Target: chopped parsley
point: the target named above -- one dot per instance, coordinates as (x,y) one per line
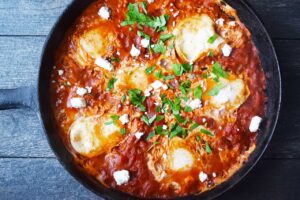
(198,138)
(147,120)
(160,131)
(207,148)
(207,132)
(180,68)
(133,16)
(169,77)
(212,39)
(211,54)
(185,87)
(123,131)
(159,118)
(115,59)
(142,34)
(149,70)
(194,126)
(137,98)
(123,98)
(177,130)
(188,109)
(110,84)
(198,92)
(219,71)
(114,119)
(165,37)
(215,90)
(151,135)
(158,74)
(178,118)
(159,47)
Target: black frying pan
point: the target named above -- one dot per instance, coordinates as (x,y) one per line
(39,99)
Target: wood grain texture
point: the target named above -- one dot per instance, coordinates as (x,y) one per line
(28,179)
(36,17)
(40,178)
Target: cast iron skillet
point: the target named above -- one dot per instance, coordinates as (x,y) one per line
(39,99)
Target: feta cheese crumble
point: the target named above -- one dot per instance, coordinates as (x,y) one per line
(220,21)
(202,177)
(60,72)
(134,52)
(164,127)
(81,91)
(226,50)
(121,177)
(104,64)
(138,135)
(254,124)
(77,102)
(194,104)
(104,12)
(124,119)
(145,42)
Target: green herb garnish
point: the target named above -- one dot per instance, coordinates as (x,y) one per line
(165,37)
(198,138)
(207,148)
(158,74)
(147,120)
(215,90)
(198,92)
(159,118)
(137,98)
(159,47)
(110,84)
(207,132)
(149,70)
(194,126)
(151,135)
(177,130)
(123,131)
(212,39)
(180,68)
(219,71)
(188,109)
(142,34)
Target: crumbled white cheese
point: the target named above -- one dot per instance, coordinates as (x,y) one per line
(89,89)
(214,174)
(60,72)
(202,176)
(226,50)
(104,12)
(220,21)
(164,127)
(254,124)
(103,63)
(134,52)
(81,91)
(231,23)
(164,156)
(124,119)
(148,92)
(121,177)
(194,104)
(157,84)
(145,42)
(150,1)
(203,120)
(77,102)
(138,135)
(164,87)
(176,14)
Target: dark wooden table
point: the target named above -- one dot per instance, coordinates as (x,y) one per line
(29,169)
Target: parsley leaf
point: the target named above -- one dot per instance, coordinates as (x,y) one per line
(137,98)
(177,130)
(158,74)
(123,131)
(165,37)
(169,77)
(194,126)
(188,109)
(180,68)
(215,90)
(159,118)
(148,121)
(207,132)
(198,138)
(142,34)
(212,39)
(151,135)
(115,59)
(110,84)
(207,148)
(149,70)
(218,70)
(159,47)
(198,92)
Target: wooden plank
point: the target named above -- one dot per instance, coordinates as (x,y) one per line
(46,179)
(19,60)
(27,17)
(19,67)
(22,135)
(38,179)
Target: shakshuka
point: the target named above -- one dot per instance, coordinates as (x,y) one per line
(158,98)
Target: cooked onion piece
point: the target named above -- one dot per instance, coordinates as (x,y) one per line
(195,36)
(91,136)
